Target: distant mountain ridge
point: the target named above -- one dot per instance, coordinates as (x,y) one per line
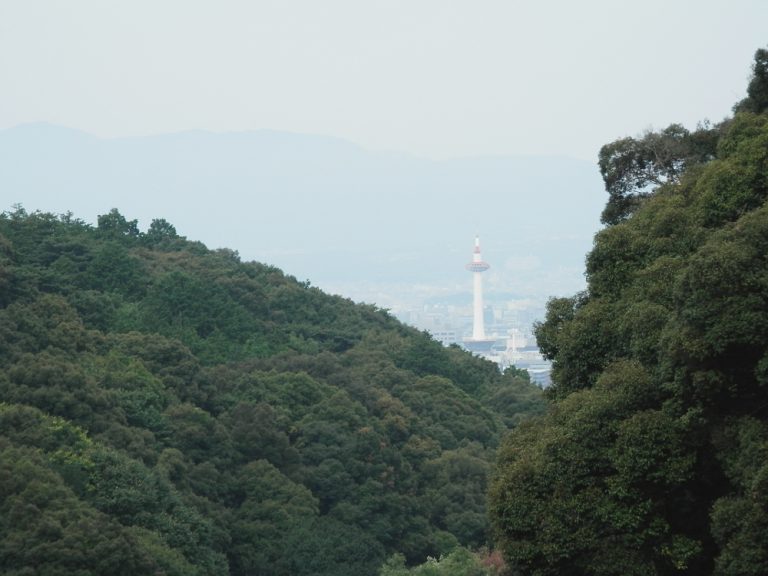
(320,207)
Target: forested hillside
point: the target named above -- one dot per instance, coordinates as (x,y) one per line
(653,458)
(169,409)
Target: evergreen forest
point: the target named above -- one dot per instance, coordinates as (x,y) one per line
(166,409)
(652,458)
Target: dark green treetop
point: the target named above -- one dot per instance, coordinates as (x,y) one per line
(651,458)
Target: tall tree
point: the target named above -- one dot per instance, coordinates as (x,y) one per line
(651,459)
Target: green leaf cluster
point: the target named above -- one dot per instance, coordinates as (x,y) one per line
(459,562)
(652,457)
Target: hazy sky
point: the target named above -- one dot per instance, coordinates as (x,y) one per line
(432,77)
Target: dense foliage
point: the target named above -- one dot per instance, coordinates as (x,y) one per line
(459,562)
(169,409)
(653,458)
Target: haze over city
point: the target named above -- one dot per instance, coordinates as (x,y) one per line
(358,145)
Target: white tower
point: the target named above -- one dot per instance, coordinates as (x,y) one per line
(477,267)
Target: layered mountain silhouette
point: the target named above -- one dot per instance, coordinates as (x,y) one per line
(322,208)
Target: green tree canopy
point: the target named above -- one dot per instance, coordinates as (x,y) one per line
(651,458)
(173,410)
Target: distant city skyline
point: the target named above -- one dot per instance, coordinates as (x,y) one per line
(284,130)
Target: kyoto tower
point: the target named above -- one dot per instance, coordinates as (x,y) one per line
(477,267)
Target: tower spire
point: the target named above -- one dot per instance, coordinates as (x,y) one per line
(477,267)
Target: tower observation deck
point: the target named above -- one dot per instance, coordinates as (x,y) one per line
(478,342)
